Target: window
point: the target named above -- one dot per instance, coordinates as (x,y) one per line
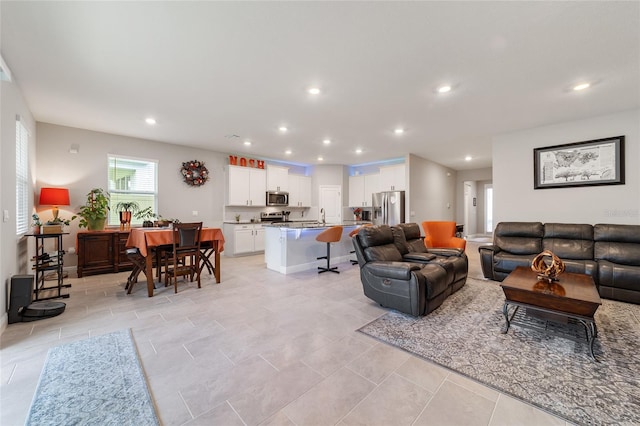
(132,179)
(22,178)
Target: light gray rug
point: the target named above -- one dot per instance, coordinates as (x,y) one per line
(96,381)
(552,373)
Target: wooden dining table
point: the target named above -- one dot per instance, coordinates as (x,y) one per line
(145,239)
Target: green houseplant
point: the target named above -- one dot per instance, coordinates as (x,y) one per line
(146,215)
(95,211)
(126,208)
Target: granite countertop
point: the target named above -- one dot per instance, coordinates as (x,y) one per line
(311,224)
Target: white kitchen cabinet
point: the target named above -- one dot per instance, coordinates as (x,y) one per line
(246,186)
(277,178)
(356,191)
(393,178)
(361,189)
(299,191)
(243,239)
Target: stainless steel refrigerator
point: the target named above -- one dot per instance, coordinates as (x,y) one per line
(388,208)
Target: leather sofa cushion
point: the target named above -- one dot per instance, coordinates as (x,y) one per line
(612,275)
(622,253)
(588,267)
(618,233)
(571,231)
(521,238)
(569,249)
(519,245)
(378,244)
(407,238)
(617,243)
(507,262)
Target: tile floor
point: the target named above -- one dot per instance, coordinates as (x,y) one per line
(259,348)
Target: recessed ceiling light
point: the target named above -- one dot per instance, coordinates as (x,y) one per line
(468,158)
(320,159)
(288,152)
(150,121)
(283,128)
(314,91)
(444,89)
(326,141)
(399,131)
(581,86)
(358,151)
(247,143)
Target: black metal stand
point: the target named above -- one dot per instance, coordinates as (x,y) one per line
(49,262)
(566,329)
(328,257)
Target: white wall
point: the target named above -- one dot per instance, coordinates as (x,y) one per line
(88,169)
(516,200)
(13,249)
(432,191)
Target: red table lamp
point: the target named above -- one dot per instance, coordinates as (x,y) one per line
(54,197)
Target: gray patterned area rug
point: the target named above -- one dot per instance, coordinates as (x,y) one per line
(96,381)
(550,372)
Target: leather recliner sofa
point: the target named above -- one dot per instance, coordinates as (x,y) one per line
(401,273)
(609,253)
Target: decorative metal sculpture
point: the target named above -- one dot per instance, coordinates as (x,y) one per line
(547,272)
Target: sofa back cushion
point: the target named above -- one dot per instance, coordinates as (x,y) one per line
(617,243)
(407,238)
(377,243)
(569,240)
(519,237)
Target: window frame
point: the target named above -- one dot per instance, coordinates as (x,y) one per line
(22,177)
(113,191)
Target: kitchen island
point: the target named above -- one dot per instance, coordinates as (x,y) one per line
(292,247)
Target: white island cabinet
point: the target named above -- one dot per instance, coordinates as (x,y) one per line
(243,238)
(291,249)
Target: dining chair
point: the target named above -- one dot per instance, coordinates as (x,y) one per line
(442,234)
(184,258)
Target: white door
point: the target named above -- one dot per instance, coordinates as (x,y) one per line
(330,197)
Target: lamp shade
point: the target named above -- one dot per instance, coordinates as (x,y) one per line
(54,197)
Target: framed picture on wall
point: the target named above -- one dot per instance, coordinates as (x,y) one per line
(596,162)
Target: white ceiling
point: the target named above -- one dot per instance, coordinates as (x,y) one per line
(206,70)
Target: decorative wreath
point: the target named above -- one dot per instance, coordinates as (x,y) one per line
(194,173)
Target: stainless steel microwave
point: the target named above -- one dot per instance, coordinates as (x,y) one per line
(277,198)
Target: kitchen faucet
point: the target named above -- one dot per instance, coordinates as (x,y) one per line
(322,213)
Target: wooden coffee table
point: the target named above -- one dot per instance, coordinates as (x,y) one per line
(573,299)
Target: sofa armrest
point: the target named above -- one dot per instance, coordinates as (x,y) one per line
(419,257)
(486,260)
(393,270)
(447,252)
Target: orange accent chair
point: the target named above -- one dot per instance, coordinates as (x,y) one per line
(329,235)
(441,234)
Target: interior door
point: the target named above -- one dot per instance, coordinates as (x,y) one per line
(330,200)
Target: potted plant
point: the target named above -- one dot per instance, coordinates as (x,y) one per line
(126,208)
(146,215)
(95,211)
(37,224)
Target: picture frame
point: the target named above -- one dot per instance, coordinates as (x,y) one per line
(589,163)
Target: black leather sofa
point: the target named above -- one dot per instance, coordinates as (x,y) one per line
(399,272)
(609,253)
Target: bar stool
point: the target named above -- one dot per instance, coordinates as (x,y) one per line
(330,235)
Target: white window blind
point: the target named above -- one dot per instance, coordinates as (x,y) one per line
(132,179)
(22,178)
